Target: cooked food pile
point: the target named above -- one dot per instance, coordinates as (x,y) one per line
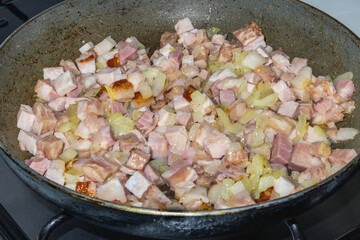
(204,123)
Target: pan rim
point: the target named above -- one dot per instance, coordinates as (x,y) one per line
(185,213)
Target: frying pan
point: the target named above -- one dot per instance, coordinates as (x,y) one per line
(57,33)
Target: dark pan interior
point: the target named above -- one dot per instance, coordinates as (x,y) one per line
(294,27)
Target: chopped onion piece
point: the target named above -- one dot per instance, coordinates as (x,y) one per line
(68,154)
(345,134)
(193,130)
(158,84)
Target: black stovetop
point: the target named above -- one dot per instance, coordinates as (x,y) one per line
(329,220)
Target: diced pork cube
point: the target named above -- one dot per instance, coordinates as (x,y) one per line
(227,97)
(56,172)
(25,118)
(179,175)
(282,148)
(97,169)
(216,144)
(107,76)
(154,194)
(288,108)
(58,104)
(177,137)
(39,164)
(112,190)
(180,102)
(137,159)
(345,88)
(45,120)
(168,37)
(342,156)
(152,175)
(69,65)
(297,64)
(145,121)
(158,144)
(281,62)
(285,94)
(86,47)
(45,90)
(138,184)
(123,90)
(266,74)
(127,53)
(225,53)
(104,46)
(88,80)
(182,118)
(283,186)
(250,37)
(90,108)
(301,157)
(65,83)
(183,25)
(52,72)
(306,108)
(221,74)
(86,63)
(27,141)
(49,147)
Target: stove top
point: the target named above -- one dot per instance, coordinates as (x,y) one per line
(329,220)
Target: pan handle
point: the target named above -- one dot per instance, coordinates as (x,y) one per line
(9,227)
(295,229)
(52,224)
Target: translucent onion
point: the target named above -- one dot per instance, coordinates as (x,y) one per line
(193,130)
(120,124)
(266,102)
(301,128)
(248,116)
(68,154)
(145,90)
(158,84)
(345,134)
(258,137)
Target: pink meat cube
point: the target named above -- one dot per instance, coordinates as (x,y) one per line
(182,118)
(52,72)
(27,141)
(158,144)
(288,109)
(138,184)
(227,97)
(152,175)
(45,120)
(183,25)
(250,37)
(345,88)
(49,147)
(39,164)
(216,144)
(342,156)
(65,83)
(284,92)
(138,159)
(45,90)
(145,121)
(179,175)
(301,157)
(107,76)
(282,148)
(127,53)
(69,65)
(25,118)
(86,63)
